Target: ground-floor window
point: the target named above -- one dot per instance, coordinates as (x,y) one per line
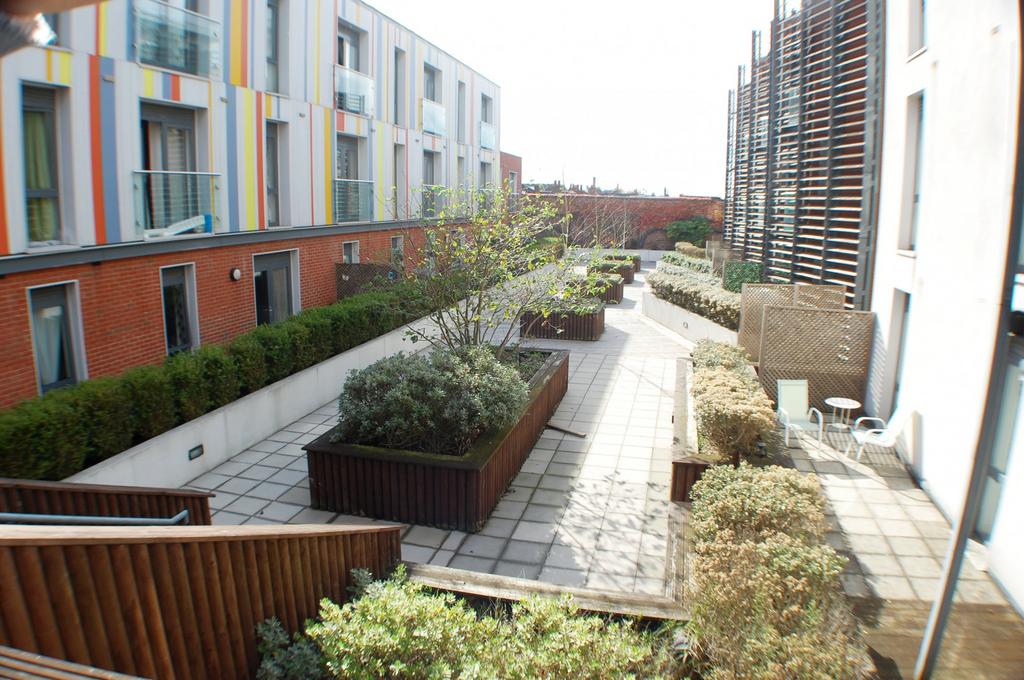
(272,278)
(53,337)
(178,286)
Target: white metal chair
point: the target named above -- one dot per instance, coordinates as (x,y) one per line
(794,412)
(884,436)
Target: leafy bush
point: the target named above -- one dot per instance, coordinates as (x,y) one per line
(320,343)
(766,598)
(250,361)
(735,274)
(686,248)
(697,264)
(632,258)
(284,659)
(220,373)
(43,439)
(607,265)
(698,293)
(437,404)
(711,354)
(694,230)
(188,382)
(152,397)
(733,412)
(276,341)
(105,405)
(399,629)
(303,350)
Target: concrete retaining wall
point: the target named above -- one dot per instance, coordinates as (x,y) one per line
(689,325)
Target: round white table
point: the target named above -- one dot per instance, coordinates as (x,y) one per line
(841,409)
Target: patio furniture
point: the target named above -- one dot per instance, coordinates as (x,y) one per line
(794,411)
(884,436)
(841,409)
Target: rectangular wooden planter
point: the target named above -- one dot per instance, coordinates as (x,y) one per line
(613,293)
(625,270)
(453,492)
(562,326)
(685,473)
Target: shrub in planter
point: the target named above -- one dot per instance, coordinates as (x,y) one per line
(735,274)
(321,334)
(733,412)
(712,354)
(105,405)
(43,439)
(698,293)
(691,250)
(694,230)
(188,381)
(633,260)
(439,403)
(606,266)
(276,341)
(220,373)
(300,339)
(247,352)
(152,398)
(697,264)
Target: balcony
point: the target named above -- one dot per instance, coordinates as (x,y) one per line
(177,39)
(353,91)
(353,200)
(434,116)
(488,138)
(432,200)
(173,203)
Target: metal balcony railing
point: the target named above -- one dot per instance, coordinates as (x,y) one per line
(435,118)
(353,91)
(431,200)
(172,203)
(353,200)
(176,39)
(488,138)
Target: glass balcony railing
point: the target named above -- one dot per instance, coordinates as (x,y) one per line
(176,39)
(353,200)
(353,91)
(173,203)
(435,119)
(431,200)
(487,136)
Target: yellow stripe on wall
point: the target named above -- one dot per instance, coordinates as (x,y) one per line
(101,29)
(149,83)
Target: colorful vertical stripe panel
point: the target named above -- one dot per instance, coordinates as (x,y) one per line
(328,170)
(5,246)
(108,132)
(96,148)
(260,177)
(231,125)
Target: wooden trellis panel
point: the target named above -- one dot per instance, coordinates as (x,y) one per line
(830,348)
(756,296)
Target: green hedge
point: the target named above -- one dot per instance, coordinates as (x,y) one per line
(699,293)
(735,274)
(689,249)
(697,264)
(60,433)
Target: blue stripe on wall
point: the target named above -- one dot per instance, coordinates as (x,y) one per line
(108,133)
(231,129)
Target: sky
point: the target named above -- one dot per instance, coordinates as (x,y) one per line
(632,92)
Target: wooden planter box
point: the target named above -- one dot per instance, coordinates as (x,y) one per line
(563,326)
(685,473)
(613,293)
(626,271)
(453,492)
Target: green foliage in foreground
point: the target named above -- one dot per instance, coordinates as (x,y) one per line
(694,230)
(56,435)
(398,629)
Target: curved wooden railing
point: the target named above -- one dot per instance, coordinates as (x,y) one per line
(101,500)
(178,602)
(16,663)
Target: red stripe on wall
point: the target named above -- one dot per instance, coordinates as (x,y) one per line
(98,212)
(339,121)
(260,180)
(175,88)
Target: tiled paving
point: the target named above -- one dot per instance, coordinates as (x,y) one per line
(590,512)
(893,534)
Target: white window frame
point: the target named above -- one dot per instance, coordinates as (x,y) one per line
(355,251)
(401,240)
(191,297)
(293,265)
(74,305)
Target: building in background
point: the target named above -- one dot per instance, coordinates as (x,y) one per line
(945,203)
(173,174)
(512,172)
(802,149)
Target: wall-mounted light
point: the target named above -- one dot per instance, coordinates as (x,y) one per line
(195,452)
(236,274)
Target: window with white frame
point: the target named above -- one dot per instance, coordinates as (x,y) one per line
(486,109)
(273,46)
(56,340)
(350,252)
(42,165)
(275,284)
(398,250)
(181,321)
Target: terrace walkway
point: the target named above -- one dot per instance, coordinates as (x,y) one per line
(590,512)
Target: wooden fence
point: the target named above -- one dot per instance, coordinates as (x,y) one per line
(100,500)
(179,602)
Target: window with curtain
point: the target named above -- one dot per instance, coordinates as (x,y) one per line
(52,338)
(39,132)
(177,309)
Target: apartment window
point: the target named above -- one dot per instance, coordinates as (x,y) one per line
(917,25)
(485,174)
(39,133)
(486,109)
(54,21)
(273,45)
(55,341)
(350,252)
(352,197)
(398,250)
(913,167)
(462,112)
(172,193)
(401,105)
(431,84)
(274,287)
(401,182)
(348,46)
(513,181)
(173,35)
(181,326)
(430,191)
(273,177)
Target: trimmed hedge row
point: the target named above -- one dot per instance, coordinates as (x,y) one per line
(699,293)
(735,274)
(690,249)
(69,429)
(697,264)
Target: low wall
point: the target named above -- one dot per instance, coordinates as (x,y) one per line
(687,324)
(164,460)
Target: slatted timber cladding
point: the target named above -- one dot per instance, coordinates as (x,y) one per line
(102,500)
(829,348)
(17,663)
(795,192)
(756,296)
(562,326)
(174,602)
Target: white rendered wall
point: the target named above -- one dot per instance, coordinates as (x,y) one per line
(968,73)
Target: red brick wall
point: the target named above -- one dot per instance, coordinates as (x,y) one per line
(122,310)
(512,163)
(644,217)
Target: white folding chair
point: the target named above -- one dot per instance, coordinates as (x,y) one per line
(794,412)
(884,436)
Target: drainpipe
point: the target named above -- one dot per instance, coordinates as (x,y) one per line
(928,654)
